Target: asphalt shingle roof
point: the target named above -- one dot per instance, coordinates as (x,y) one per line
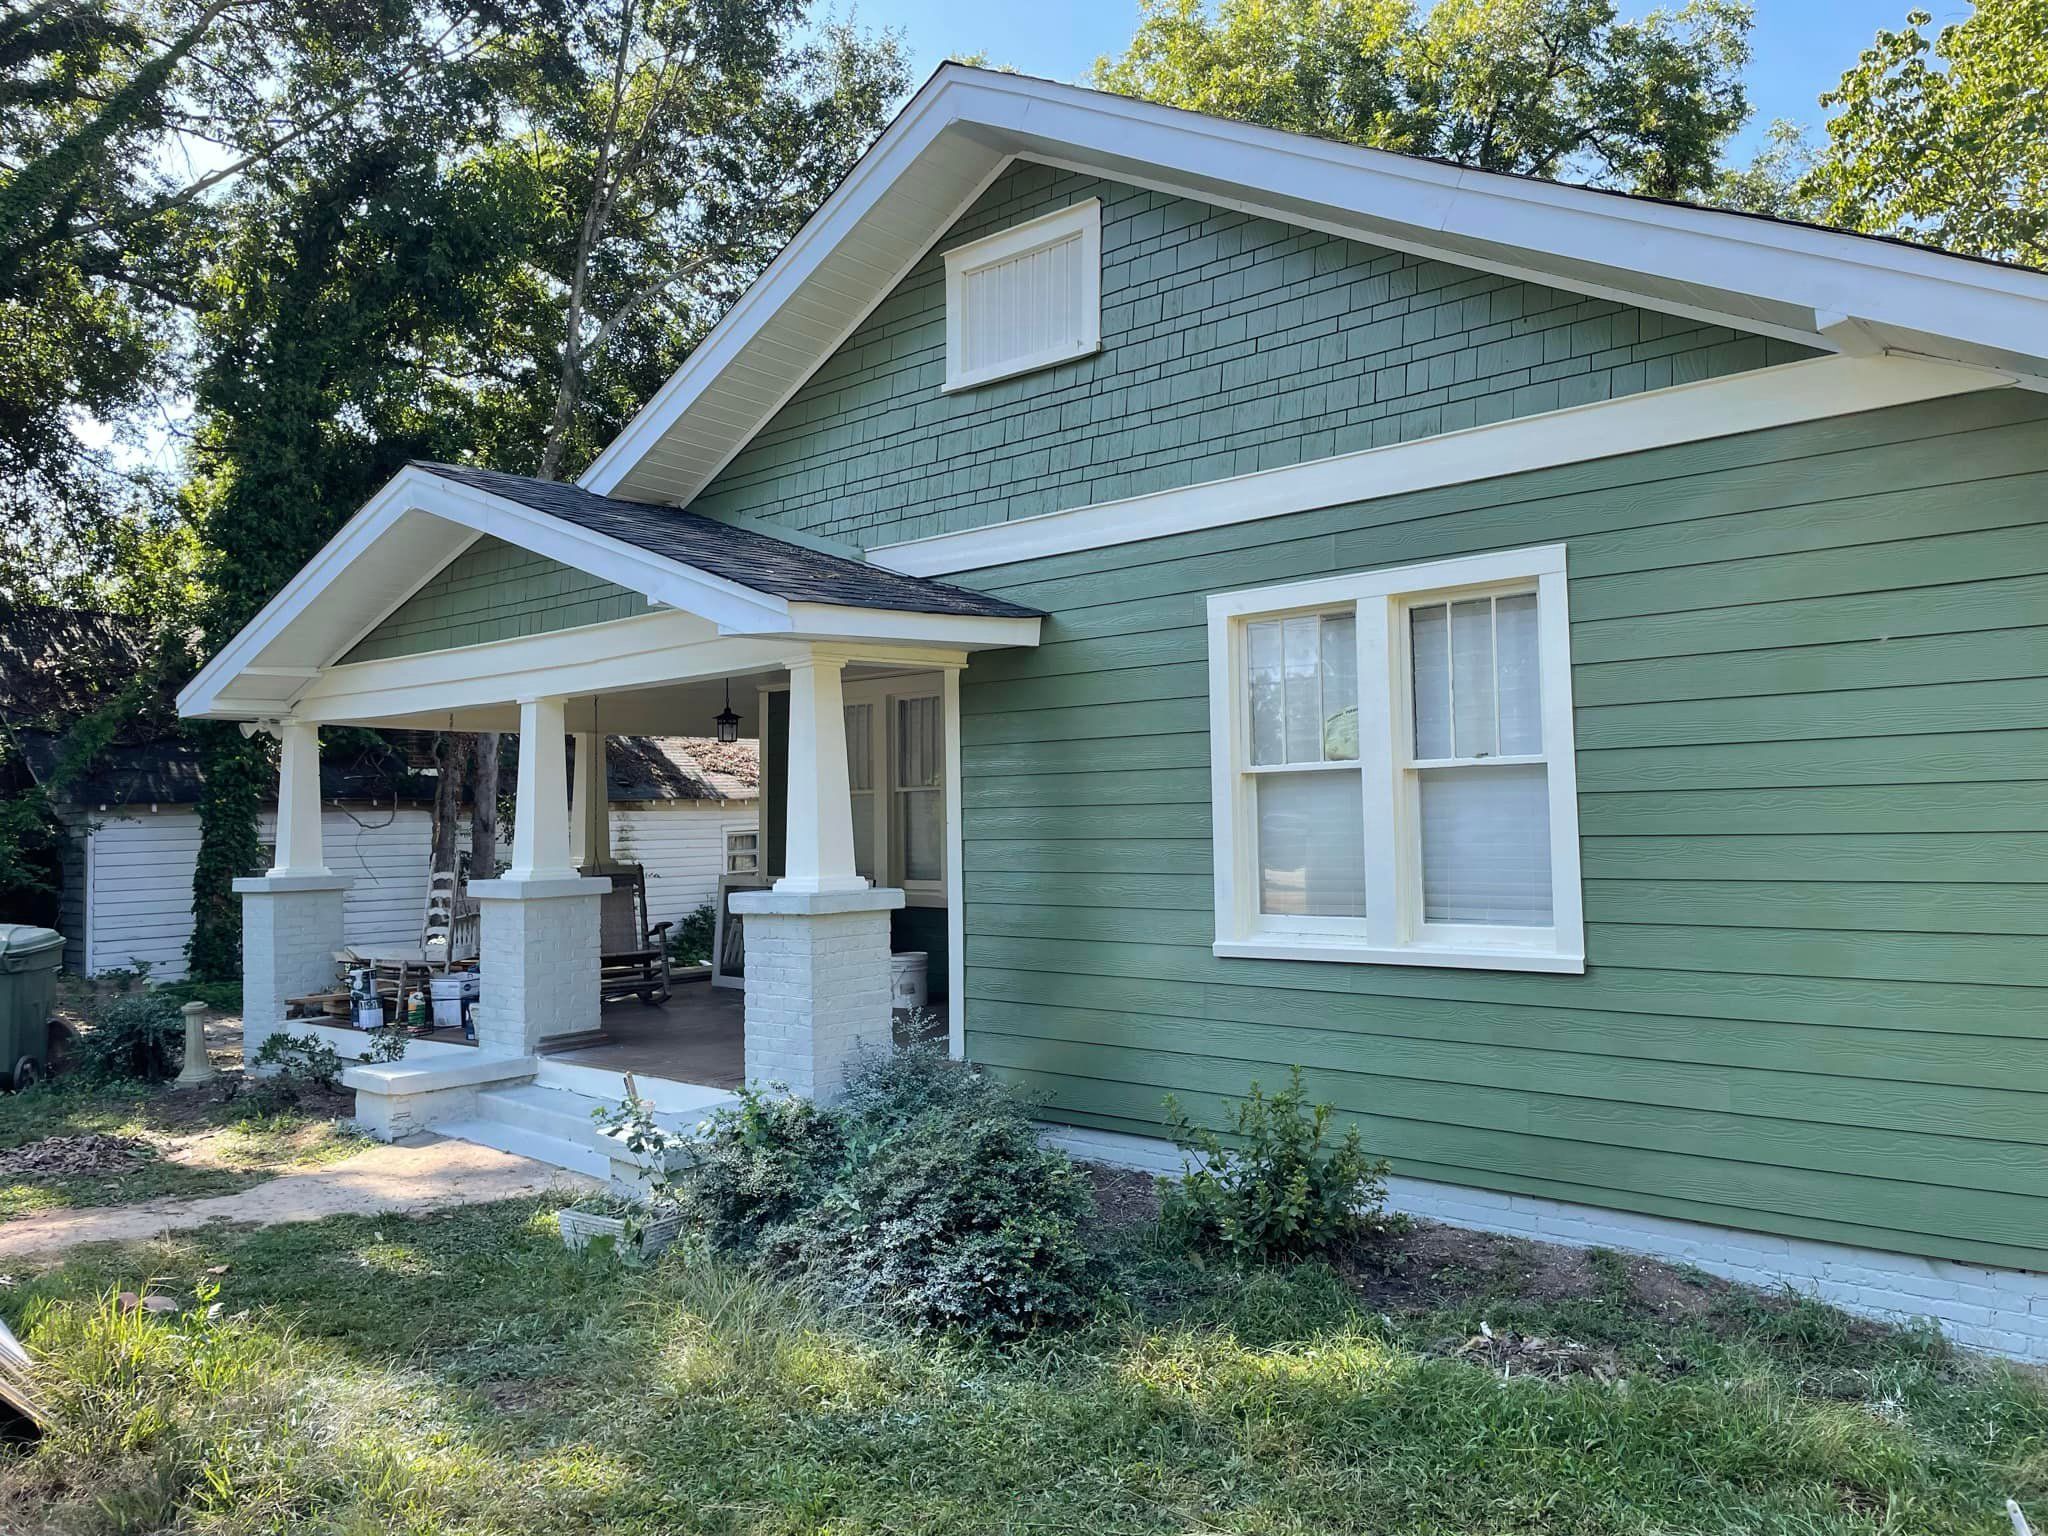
(754,560)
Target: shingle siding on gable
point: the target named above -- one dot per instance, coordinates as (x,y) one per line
(1230,344)
(495,591)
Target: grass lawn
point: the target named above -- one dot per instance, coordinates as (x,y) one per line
(182,1141)
(461,1372)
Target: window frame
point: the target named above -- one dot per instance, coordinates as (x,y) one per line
(1042,233)
(1393,931)
(757,852)
(884,694)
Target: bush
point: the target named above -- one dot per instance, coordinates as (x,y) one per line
(759,1165)
(923,1196)
(296,1065)
(138,1035)
(1280,1191)
(689,943)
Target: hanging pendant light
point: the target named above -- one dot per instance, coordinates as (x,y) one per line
(728,722)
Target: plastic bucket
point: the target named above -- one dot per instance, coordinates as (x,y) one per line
(909,980)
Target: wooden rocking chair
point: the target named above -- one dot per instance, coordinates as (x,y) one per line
(632,952)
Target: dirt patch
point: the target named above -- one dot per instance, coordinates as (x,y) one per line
(1124,1198)
(89,1155)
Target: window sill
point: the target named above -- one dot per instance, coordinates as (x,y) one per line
(956,383)
(1441,956)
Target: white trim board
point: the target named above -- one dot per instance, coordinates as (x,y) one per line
(2000,1311)
(1836,291)
(1687,413)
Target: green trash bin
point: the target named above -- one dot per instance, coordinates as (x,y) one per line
(29,958)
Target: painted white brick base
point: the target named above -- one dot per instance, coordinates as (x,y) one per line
(538,956)
(2002,1311)
(291,927)
(817,984)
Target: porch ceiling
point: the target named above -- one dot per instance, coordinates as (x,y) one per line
(729,603)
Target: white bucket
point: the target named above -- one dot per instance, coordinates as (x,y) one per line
(907,980)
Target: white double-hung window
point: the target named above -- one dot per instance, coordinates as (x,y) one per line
(1391,766)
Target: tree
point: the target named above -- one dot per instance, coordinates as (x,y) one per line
(1533,87)
(675,146)
(1944,139)
(403,284)
(124,124)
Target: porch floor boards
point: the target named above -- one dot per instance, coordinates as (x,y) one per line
(697,1036)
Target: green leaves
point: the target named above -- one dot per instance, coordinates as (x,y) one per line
(1533,87)
(1280,1188)
(1944,138)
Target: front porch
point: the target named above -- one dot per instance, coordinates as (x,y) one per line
(853,680)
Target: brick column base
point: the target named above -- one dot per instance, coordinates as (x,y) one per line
(817,984)
(537,961)
(291,927)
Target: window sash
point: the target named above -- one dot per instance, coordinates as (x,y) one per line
(1395,928)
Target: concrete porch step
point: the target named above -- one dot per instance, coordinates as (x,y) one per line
(538,1145)
(554,1124)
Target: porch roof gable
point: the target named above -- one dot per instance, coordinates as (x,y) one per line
(741,581)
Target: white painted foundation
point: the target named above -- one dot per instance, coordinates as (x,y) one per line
(2000,1311)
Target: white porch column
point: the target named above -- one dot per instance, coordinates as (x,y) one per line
(298,801)
(590,819)
(539,923)
(819,846)
(817,945)
(291,917)
(540,824)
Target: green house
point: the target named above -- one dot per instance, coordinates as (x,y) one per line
(1567,671)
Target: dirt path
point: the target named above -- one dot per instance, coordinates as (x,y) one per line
(417,1174)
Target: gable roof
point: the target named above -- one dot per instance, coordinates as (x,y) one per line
(742,582)
(749,559)
(1825,288)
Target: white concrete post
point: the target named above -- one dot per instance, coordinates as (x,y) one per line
(298,801)
(818,853)
(590,820)
(538,963)
(291,917)
(540,826)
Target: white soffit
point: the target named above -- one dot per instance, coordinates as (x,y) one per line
(1834,291)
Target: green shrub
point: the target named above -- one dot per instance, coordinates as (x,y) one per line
(1280,1189)
(759,1165)
(689,942)
(138,1035)
(924,1196)
(285,1069)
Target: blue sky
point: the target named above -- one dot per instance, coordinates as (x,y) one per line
(1800,46)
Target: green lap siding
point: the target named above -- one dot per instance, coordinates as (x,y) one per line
(1810,671)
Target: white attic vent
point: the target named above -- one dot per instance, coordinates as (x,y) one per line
(1026,298)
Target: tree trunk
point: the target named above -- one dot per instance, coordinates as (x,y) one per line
(451,755)
(483,815)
